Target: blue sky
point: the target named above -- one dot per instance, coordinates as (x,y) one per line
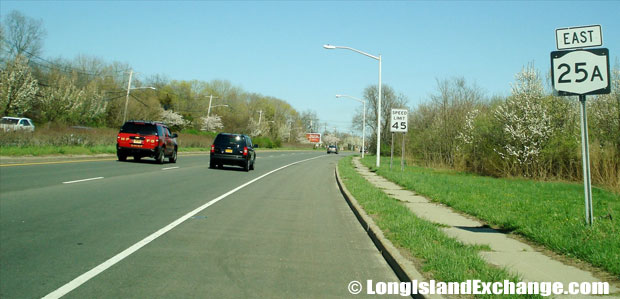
(275,48)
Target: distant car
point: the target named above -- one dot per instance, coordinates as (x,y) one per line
(232,149)
(8,123)
(332,149)
(140,138)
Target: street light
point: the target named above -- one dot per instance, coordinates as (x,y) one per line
(127,98)
(364,119)
(331,47)
(209,111)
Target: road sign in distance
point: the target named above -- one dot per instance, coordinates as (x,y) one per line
(398,121)
(314,137)
(580,72)
(579,37)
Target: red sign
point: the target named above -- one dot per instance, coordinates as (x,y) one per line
(313,137)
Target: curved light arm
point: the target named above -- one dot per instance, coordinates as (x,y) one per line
(224,105)
(330,47)
(350,97)
(149,87)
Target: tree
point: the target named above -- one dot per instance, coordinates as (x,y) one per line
(525,122)
(174,120)
(211,123)
(17,87)
(22,36)
(389,100)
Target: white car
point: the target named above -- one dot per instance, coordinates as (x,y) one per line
(8,123)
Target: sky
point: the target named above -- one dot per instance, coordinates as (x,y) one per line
(276,48)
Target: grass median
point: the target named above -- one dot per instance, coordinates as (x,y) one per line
(548,213)
(443,258)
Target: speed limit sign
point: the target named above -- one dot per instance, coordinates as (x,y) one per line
(580,72)
(398,121)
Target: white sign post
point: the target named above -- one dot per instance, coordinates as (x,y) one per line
(399,124)
(581,73)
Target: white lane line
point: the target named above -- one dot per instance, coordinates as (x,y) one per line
(72,285)
(84,180)
(168,168)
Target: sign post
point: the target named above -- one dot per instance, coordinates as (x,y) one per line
(581,72)
(399,124)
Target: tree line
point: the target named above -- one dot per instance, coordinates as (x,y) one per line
(87,91)
(530,133)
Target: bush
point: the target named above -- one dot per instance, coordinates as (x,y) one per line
(264,142)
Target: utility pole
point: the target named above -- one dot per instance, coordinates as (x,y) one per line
(127,97)
(210,100)
(260,116)
(311,131)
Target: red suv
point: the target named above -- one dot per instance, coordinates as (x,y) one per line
(140,138)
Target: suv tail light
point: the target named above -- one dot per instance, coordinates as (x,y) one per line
(245,150)
(212,148)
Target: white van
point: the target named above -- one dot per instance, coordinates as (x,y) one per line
(8,123)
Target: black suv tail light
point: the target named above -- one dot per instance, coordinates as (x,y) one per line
(212,148)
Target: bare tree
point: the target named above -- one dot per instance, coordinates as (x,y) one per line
(22,36)
(389,100)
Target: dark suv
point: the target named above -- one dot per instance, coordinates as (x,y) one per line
(140,138)
(232,149)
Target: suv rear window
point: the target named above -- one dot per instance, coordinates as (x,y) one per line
(228,140)
(9,121)
(139,128)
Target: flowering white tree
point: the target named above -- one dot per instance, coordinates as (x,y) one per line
(173,119)
(330,139)
(17,87)
(466,134)
(65,102)
(211,123)
(525,122)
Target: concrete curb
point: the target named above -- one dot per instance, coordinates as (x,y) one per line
(403,268)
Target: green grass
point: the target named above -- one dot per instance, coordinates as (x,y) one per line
(56,150)
(548,213)
(444,258)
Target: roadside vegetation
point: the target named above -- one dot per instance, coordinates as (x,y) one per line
(548,213)
(530,133)
(88,92)
(442,258)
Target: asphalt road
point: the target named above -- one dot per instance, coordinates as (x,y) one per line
(287,234)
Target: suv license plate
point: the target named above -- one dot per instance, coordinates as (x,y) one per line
(228,151)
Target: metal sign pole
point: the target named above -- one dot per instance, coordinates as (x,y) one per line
(402,159)
(585,153)
(392,151)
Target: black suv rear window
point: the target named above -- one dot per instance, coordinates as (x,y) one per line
(229,140)
(139,128)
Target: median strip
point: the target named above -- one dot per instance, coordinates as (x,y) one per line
(84,180)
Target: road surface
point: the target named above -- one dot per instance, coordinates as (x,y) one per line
(106,229)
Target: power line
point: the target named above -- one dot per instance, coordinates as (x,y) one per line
(63,68)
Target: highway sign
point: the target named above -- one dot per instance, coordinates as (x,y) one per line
(580,72)
(398,121)
(579,37)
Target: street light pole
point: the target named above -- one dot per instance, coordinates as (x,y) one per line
(210,100)
(127,97)
(363,122)
(329,47)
